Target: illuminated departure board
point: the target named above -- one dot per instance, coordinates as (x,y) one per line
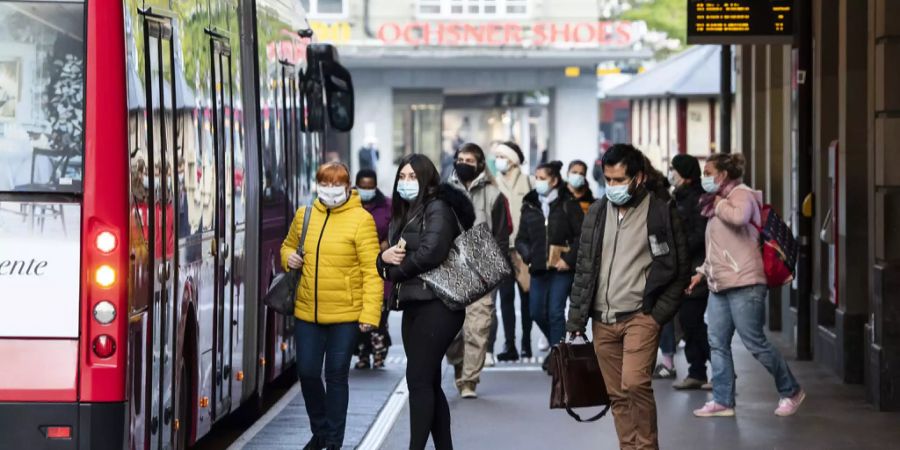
(740,21)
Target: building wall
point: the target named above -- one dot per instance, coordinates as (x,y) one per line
(855,300)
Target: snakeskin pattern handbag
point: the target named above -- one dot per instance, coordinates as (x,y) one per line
(475,267)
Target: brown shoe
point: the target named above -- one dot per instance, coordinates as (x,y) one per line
(689,384)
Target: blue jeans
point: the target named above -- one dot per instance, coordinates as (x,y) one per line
(667,339)
(547,303)
(743,309)
(332,345)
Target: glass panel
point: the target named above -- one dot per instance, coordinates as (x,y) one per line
(330,7)
(41,96)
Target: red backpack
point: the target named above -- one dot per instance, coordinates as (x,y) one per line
(778,246)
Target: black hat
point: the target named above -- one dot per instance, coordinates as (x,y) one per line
(687,166)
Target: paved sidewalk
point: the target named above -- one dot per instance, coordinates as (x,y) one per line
(289,428)
(512,413)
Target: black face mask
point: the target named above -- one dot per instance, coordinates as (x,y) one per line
(465,172)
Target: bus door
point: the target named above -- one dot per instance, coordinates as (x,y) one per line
(159,85)
(223,136)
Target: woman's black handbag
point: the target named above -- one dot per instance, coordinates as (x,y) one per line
(475,267)
(283,290)
(577,381)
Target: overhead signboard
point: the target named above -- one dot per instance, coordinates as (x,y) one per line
(740,21)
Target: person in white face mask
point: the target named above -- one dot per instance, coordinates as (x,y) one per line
(340,295)
(515,185)
(578,184)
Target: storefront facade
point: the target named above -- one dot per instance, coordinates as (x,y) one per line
(430,74)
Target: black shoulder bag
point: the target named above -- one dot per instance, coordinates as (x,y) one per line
(283,290)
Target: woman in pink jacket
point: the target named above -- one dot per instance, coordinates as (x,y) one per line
(737,282)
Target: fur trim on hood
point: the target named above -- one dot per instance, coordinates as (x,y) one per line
(460,203)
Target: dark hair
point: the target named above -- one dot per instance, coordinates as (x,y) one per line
(429,180)
(731,164)
(554,168)
(627,155)
(578,162)
(655,181)
(516,149)
(473,149)
(366,173)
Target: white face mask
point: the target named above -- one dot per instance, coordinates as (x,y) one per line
(332,196)
(502,165)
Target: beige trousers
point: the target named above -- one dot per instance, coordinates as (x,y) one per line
(470,345)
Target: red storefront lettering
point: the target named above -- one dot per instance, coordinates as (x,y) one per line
(391,28)
(584,32)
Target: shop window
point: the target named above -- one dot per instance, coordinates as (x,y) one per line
(472,8)
(325,8)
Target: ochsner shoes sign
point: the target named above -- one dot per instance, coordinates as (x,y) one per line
(39,269)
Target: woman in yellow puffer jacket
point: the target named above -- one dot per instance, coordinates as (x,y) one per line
(340,294)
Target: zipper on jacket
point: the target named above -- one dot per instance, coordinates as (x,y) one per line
(318,247)
(611,261)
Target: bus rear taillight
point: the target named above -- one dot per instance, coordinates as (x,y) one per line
(58,432)
(104,312)
(105,242)
(104,346)
(105,276)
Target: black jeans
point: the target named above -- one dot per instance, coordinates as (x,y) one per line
(507,294)
(696,343)
(428,328)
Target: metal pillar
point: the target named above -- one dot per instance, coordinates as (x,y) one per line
(804,155)
(725,96)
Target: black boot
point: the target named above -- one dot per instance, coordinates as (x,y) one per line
(314,444)
(511,354)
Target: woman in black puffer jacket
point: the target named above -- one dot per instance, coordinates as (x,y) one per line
(424,215)
(551,216)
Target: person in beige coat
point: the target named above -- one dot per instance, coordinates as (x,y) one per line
(514,184)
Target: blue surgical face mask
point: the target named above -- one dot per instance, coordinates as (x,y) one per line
(618,195)
(366,195)
(709,184)
(576,180)
(408,189)
(542,186)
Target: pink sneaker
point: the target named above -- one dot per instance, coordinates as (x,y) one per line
(713,409)
(789,406)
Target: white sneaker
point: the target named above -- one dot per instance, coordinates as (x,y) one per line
(489,360)
(543,345)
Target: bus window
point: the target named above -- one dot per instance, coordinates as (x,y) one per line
(41,96)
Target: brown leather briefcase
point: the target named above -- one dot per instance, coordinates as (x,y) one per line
(577,381)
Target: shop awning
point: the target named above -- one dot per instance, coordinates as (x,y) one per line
(691,73)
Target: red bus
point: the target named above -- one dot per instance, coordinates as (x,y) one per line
(152,153)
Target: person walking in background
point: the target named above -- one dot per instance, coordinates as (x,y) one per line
(373,346)
(734,272)
(514,185)
(578,184)
(632,269)
(340,295)
(425,219)
(369,154)
(684,175)
(548,242)
(468,352)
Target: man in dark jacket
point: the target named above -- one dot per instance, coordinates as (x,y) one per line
(631,272)
(685,176)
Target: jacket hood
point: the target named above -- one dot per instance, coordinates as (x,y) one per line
(564,195)
(460,203)
(479,181)
(757,195)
